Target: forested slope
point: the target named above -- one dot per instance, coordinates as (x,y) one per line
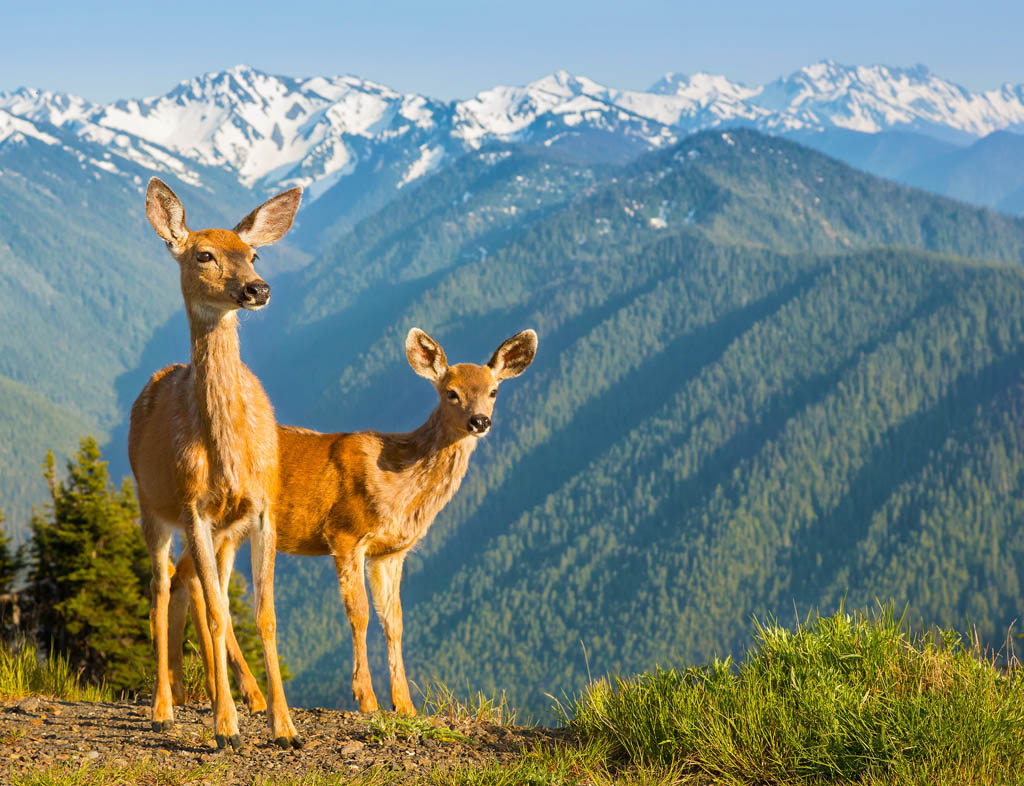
(31,423)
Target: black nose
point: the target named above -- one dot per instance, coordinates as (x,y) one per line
(258,292)
(478,424)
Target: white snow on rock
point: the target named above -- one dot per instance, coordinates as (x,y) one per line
(430,159)
(18,129)
(273,131)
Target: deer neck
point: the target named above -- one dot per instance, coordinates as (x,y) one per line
(431,462)
(217,377)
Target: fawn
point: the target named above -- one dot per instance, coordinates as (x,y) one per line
(203,447)
(368,496)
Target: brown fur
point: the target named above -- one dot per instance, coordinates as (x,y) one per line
(369,496)
(203,447)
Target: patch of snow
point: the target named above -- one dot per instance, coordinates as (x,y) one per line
(429,160)
(17,129)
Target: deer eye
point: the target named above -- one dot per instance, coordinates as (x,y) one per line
(452,396)
(204,256)
(494,393)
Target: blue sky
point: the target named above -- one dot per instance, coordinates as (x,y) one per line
(452,49)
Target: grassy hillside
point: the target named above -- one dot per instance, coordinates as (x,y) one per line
(733,410)
(843,699)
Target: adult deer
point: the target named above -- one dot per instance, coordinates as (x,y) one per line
(203,447)
(370,497)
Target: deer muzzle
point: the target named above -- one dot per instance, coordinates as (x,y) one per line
(255,294)
(479,425)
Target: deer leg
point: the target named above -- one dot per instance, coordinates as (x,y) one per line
(197,604)
(263,539)
(200,543)
(250,689)
(158,542)
(186,589)
(385,578)
(176,618)
(353,593)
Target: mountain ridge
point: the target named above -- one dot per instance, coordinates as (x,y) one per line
(274,131)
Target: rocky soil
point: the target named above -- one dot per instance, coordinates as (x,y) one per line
(40,734)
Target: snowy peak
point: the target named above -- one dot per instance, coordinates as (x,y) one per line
(875,98)
(44,105)
(702,87)
(282,130)
(262,125)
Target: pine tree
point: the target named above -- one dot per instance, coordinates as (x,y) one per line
(89,574)
(11,560)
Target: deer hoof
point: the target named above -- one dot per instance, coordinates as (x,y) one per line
(285,743)
(257,707)
(163,725)
(223,740)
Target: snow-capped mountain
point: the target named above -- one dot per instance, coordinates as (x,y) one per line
(870,99)
(272,131)
(96,146)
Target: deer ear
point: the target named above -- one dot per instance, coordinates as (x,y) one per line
(425,355)
(270,221)
(514,355)
(165,213)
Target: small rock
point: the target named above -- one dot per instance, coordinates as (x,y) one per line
(352,747)
(30,706)
(92,755)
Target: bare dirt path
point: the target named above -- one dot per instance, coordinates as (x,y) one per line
(39,734)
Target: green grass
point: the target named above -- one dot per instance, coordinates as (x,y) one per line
(440,701)
(386,727)
(22,674)
(144,773)
(844,699)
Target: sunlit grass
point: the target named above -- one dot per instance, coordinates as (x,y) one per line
(441,701)
(847,698)
(386,727)
(144,773)
(22,675)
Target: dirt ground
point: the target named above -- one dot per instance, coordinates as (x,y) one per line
(38,734)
